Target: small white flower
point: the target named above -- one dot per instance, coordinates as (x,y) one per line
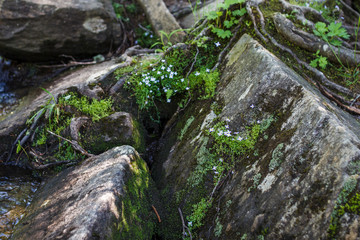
(170,66)
(168,69)
(211,129)
(239,138)
(252,106)
(153,69)
(220,133)
(325,6)
(217,44)
(189,223)
(227,133)
(207,70)
(216,172)
(182,80)
(163,60)
(337,7)
(227,120)
(214,168)
(258,121)
(162,77)
(169,100)
(307,4)
(151,36)
(221,160)
(158,72)
(162,68)
(197,74)
(187,88)
(227,126)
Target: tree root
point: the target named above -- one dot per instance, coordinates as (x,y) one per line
(311,43)
(258,33)
(75,125)
(323,83)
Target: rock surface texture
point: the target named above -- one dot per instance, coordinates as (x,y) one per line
(290,183)
(108,197)
(161,19)
(36,30)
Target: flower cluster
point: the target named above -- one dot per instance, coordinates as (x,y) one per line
(156,81)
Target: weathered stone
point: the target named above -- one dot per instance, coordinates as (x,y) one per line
(161,19)
(12,123)
(35,30)
(109,196)
(312,140)
(115,130)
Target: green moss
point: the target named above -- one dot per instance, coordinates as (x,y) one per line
(94,108)
(340,206)
(137,220)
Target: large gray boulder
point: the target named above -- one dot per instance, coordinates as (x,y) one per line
(296,180)
(109,196)
(36,30)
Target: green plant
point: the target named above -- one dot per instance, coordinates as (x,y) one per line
(187,125)
(96,109)
(165,39)
(198,213)
(220,28)
(319,61)
(331,32)
(218,227)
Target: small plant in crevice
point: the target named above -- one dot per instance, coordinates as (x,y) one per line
(319,60)
(170,78)
(229,147)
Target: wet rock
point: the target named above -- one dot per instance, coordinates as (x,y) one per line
(109,196)
(288,184)
(118,129)
(43,30)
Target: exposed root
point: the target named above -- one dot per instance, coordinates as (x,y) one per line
(300,12)
(311,43)
(249,11)
(353,11)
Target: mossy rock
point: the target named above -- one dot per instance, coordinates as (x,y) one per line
(117,129)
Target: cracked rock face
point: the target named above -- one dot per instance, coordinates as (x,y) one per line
(300,164)
(34,30)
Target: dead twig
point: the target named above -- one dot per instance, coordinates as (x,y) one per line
(183,224)
(74,143)
(157,214)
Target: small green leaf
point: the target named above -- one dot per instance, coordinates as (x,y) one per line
(228,24)
(321,28)
(313,63)
(323,62)
(18,147)
(211,15)
(239,13)
(169,93)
